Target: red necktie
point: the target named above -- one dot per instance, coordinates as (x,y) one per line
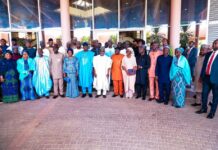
(209,64)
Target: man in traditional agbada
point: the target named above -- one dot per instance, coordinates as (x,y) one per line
(85,59)
(41,77)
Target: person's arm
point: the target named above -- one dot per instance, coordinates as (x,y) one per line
(203,69)
(134,63)
(32,65)
(20,67)
(157,67)
(147,63)
(77,67)
(109,66)
(123,65)
(65,68)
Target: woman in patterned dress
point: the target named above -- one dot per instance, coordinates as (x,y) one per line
(180,76)
(26,67)
(70,68)
(9,79)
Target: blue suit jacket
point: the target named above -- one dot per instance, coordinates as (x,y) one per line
(192,58)
(214,69)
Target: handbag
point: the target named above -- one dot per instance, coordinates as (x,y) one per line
(131,71)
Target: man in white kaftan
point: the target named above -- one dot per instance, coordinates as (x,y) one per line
(102,66)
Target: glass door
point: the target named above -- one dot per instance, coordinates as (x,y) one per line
(19,38)
(130,35)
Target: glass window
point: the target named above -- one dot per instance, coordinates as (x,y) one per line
(105,35)
(158,12)
(81,13)
(50,13)
(132,13)
(4,21)
(24,14)
(193,10)
(106,14)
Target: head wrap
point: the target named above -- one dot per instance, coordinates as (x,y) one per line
(167,47)
(180,49)
(69,49)
(131,50)
(85,44)
(8,52)
(25,51)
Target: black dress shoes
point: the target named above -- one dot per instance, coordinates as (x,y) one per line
(55,96)
(201,111)
(166,103)
(143,98)
(47,97)
(121,96)
(196,104)
(114,95)
(159,101)
(84,95)
(150,99)
(210,116)
(62,96)
(138,97)
(90,95)
(104,96)
(97,96)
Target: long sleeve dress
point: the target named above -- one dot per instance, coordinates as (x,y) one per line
(70,67)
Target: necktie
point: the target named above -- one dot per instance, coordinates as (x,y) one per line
(209,64)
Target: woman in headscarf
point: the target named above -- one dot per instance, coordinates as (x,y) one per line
(70,68)
(129,68)
(9,79)
(180,76)
(26,67)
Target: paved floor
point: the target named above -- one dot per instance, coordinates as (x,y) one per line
(99,124)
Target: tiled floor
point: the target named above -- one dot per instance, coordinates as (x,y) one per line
(99,124)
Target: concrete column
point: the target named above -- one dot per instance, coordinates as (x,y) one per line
(65,22)
(175,19)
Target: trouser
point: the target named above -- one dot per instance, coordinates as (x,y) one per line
(164,91)
(89,89)
(58,83)
(153,85)
(129,94)
(118,87)
(0,93)
(141,89)
(99,92)
(207,87)
(198,96)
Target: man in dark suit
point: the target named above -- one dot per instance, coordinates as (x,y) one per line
(209,77)
(191,55)
(143,63)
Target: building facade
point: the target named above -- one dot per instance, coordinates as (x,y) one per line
(118,20)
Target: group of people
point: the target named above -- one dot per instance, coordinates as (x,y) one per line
(130,68)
